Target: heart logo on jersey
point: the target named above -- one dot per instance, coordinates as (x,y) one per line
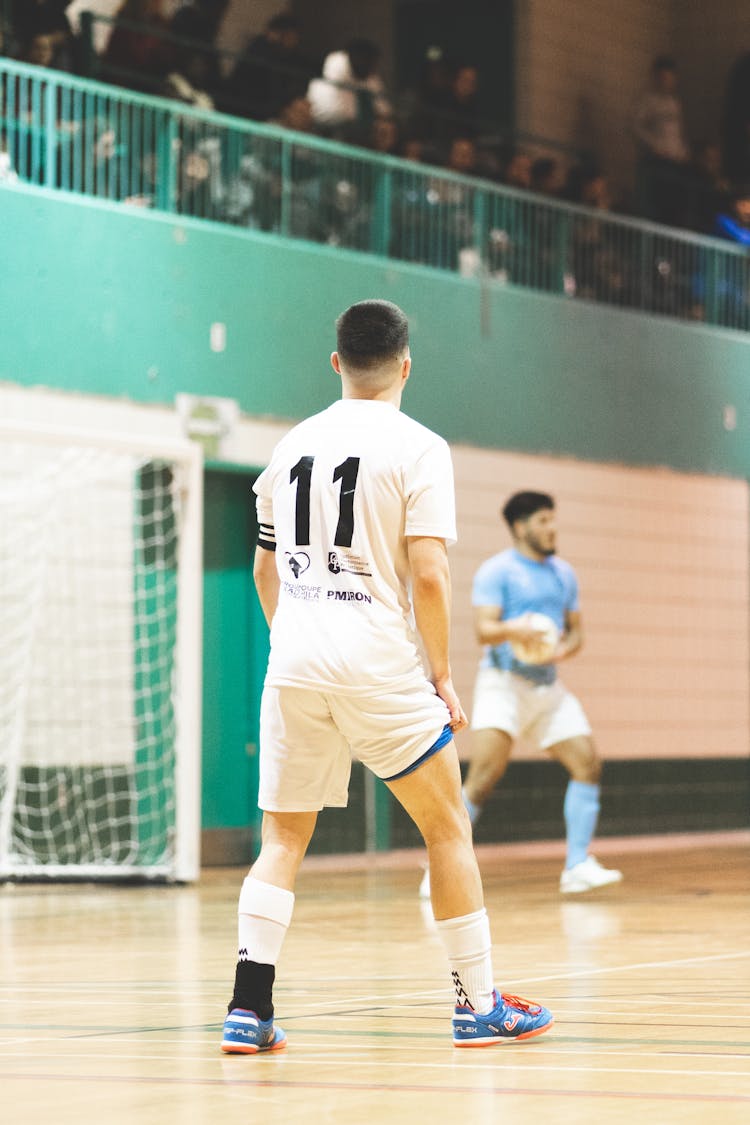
(298,563)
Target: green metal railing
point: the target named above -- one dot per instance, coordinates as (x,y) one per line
(79,136)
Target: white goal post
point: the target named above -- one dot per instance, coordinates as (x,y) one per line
(100,654)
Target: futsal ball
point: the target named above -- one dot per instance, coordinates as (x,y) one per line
(540,650)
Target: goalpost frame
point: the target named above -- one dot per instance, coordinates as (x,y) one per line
(189,632)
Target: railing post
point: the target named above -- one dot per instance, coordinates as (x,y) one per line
(563,249)
(287,188)
(50,133)
(167,163)
(380,233)
(647,269)
(481,232)
(711,281)
(88,54)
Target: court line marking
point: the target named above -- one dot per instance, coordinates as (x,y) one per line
(380,1087)
(674,963)
(327,1061)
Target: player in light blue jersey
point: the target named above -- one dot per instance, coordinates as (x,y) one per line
(513,699)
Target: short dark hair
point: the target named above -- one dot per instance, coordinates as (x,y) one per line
(363,57)
(521,505)
(283,21)
(664,62)
(371,333)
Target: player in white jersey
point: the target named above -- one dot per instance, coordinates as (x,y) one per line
(355,511)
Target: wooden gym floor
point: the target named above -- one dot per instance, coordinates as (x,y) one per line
(112,998)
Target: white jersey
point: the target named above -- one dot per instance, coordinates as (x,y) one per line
(343,491)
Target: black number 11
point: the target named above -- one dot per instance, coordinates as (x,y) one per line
(346,472)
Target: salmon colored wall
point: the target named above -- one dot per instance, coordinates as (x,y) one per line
(662,562)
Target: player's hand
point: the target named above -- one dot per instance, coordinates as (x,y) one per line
(522,630)
(447,693)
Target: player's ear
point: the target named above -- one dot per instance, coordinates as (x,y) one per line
(405,368)
(335,362)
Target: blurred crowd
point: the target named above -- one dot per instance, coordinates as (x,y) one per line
(439,122)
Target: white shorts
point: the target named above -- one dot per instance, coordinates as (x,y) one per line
(308,739)
(541,714)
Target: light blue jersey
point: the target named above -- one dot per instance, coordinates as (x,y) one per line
(520,585)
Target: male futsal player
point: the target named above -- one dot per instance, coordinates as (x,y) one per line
(356,505)
(513,699)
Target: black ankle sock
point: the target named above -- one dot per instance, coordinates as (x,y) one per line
(253,988)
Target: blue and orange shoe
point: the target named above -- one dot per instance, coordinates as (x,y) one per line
(511,1019)
(245,1034)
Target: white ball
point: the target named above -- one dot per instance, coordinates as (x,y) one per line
(544,644)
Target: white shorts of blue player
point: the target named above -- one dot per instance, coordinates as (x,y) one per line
(508,707)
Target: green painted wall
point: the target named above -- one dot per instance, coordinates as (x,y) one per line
(235,651)
(101,299)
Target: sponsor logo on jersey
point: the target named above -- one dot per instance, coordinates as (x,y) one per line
(349,596)
(298,562)
(304,593)
(347,563)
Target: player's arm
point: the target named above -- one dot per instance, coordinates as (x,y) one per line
(491,629)
(431,598)
(572,638)
(266,578)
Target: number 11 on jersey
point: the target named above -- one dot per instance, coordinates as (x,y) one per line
(347,473)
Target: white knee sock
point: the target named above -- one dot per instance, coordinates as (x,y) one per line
(469,948)
(265,912)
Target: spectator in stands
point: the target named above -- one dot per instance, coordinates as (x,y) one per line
(257,186)
(709,190)
(179,84)
(350,94)
(515,252)
(271,72)
(384,136)
(198,19)
(518,170)
(455,248)
(43,33)
(734,221)
(451,111)
(138,54)
(735,124)
(598,271)
(734,291)
(659,128)
(195,77)
(297,115)
(414,148)
(7,173)
(545,176)
(433,82)
(462,156)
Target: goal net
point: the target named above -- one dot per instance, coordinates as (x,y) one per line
(100,609)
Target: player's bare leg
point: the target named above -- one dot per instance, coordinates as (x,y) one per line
(580,758)
(284,840)
(490,753)
(432,797)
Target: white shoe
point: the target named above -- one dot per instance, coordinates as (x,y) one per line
(424,886)
(586,876)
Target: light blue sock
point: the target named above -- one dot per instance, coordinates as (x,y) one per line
(581,811)
(472,809)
